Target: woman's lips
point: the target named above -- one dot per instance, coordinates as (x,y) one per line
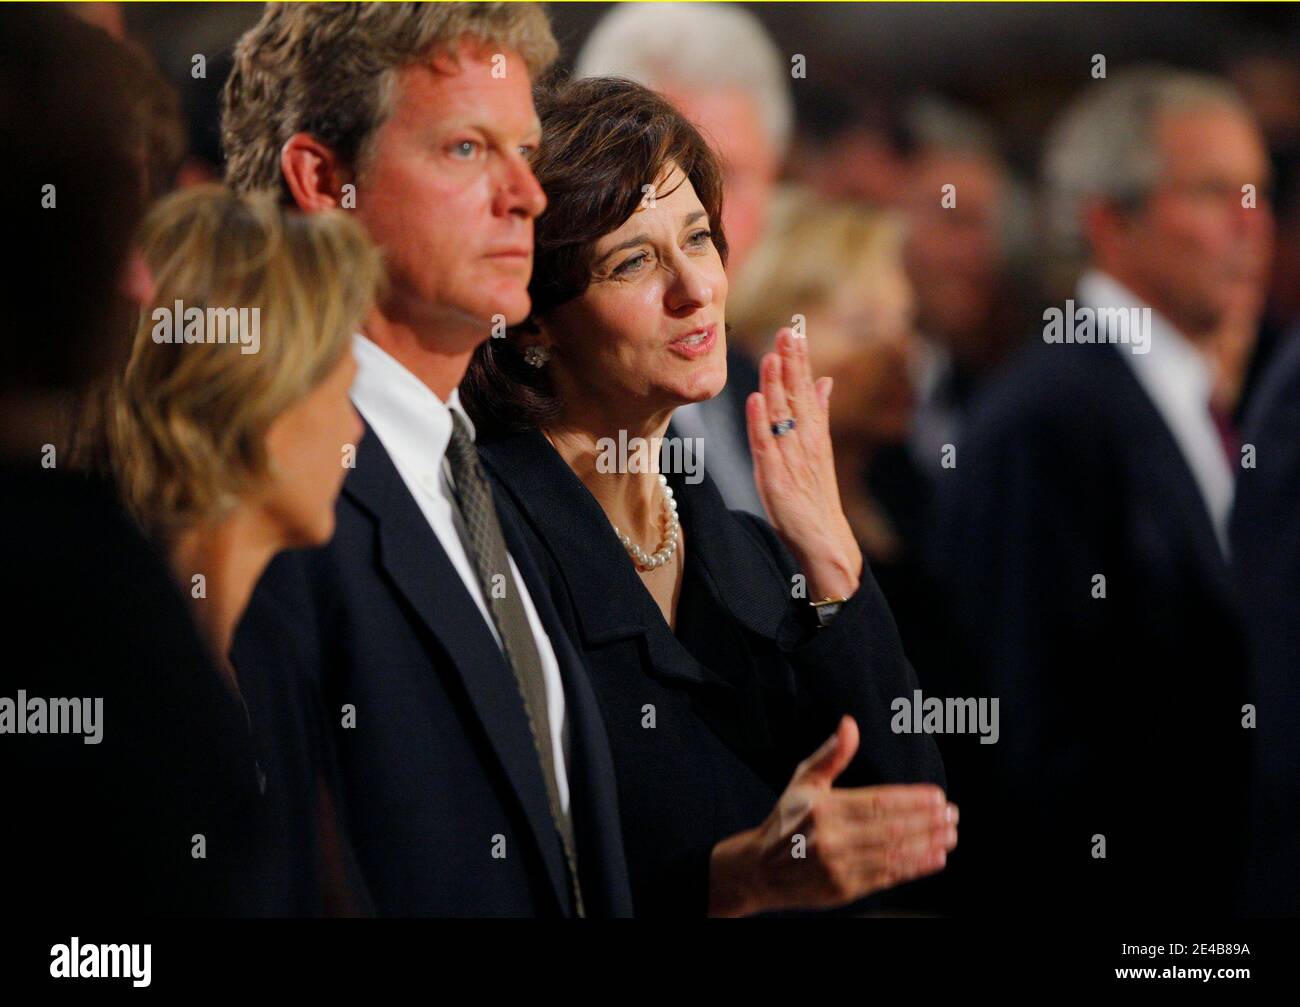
(697,344)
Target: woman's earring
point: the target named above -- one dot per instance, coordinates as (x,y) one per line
(536,355)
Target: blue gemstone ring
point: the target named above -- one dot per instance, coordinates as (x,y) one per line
(782,427)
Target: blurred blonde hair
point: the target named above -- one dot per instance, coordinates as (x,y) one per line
(810,247)
(183,430)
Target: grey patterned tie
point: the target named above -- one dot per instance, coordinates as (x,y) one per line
(487,551)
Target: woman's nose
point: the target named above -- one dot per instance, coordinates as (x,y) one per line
(691,286)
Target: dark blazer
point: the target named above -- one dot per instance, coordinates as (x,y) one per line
(302,862)
(706,735)
(1120,716)
(90,610)
(441,761)
(1266,560)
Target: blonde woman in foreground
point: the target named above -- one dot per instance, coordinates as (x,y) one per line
(228,436)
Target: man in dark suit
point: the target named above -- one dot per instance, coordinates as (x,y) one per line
(1265,531)
(1083,529)
(474,763)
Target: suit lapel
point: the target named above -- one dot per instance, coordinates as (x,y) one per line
(739,568)
(1160,450)
(424,576)
(576,535)
(592,793)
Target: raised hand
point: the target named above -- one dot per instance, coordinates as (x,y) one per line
(794,469)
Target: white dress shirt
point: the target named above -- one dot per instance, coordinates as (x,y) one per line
(1178,379)
(414,425)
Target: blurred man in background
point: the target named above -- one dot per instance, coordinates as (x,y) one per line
(848,143)
(1083,528)
(966,231)
(1266,560)
(718,65)
(1265,525)
(1267,74)
(966,221)
(152,97)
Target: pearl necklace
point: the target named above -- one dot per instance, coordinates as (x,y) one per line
(671,536)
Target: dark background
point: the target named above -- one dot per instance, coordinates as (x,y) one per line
(1015,63)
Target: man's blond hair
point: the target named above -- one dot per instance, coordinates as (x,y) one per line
(329,69)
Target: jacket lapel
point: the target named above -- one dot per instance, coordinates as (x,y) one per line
(593,794)
(739,565)
(1155,442)
(575,534)
(424,576)
(611,603)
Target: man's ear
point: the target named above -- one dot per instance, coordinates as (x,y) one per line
(313,173)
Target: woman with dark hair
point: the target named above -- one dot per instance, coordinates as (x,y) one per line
(723,649)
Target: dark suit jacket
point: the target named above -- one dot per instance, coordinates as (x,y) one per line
(746,689)
(1121,716)
(302,862)
(441,759)
(91,611)
(1266,560)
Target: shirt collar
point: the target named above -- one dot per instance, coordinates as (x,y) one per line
(1173,368)
(405,413)
(1179,380)
(930,365)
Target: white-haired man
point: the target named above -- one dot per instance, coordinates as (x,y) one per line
(1083,528)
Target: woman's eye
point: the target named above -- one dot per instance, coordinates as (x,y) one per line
(630,265)
(700,237)
(465,149)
